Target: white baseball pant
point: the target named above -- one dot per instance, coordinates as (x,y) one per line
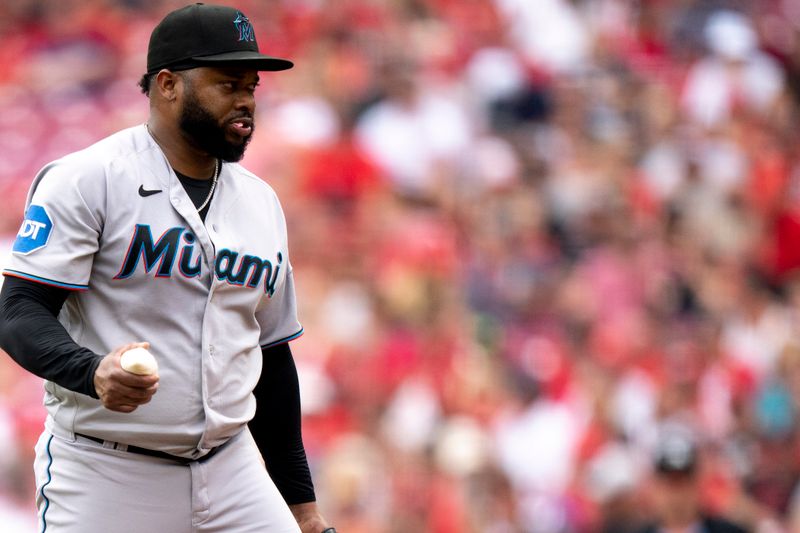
(89,487)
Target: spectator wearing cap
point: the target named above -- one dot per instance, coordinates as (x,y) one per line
(678,506)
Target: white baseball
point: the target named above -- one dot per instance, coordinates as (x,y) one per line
(139,361)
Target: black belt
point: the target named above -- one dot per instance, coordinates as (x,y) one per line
(156,453)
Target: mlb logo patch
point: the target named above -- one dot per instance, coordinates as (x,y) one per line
(35,231)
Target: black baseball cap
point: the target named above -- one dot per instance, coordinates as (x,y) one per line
(203,35)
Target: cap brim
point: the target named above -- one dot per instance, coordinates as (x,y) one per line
(246,59)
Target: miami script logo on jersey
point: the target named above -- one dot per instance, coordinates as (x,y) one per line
(177,245)
(34,232)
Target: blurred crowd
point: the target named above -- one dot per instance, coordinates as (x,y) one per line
(527,235)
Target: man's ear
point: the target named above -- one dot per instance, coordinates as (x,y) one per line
(166,84)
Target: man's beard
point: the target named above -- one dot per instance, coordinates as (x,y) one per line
(201,129)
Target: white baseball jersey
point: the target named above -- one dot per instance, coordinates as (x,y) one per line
(114,223)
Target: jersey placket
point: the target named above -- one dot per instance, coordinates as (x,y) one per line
(204,234)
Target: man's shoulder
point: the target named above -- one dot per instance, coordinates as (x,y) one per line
(89,167)
(99,155)
(250,182)
(123,143)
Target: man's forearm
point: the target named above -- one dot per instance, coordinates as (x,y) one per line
(276,426)
(309,518)
(32,335)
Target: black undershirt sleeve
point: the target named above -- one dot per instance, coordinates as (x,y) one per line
(276,426)
(32,335)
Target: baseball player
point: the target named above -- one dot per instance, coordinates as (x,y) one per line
(156,238)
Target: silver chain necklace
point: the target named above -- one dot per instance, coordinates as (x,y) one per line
(214,178)
(213,186)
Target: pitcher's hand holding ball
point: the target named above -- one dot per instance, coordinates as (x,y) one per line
(124,390)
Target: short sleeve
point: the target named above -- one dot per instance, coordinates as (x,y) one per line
(61,229)
(278,318)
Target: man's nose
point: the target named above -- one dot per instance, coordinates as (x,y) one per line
(246,101)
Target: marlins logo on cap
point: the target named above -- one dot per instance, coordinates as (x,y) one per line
(242,24)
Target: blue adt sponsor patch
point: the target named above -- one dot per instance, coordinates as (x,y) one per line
(35,231)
